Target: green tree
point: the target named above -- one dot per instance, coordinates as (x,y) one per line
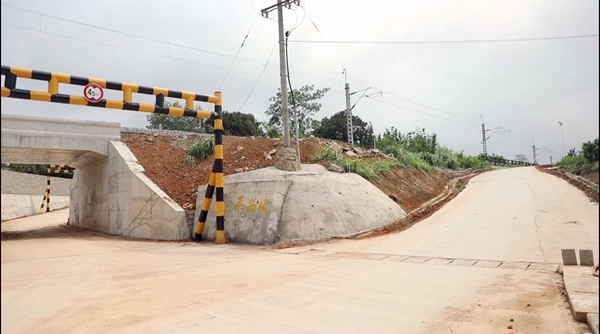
(521,158)
(239,124)
(306,101)
(271,130)
(26,168)
(492,155)
(188,124)
(335,128)
(590,150)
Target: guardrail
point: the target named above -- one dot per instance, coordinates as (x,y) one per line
(499,161)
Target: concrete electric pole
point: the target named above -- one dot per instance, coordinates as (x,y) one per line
(348,112)
(534,153)
(285,114)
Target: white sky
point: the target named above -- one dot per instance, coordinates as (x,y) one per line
(526,87)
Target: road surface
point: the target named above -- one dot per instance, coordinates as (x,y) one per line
(485,263)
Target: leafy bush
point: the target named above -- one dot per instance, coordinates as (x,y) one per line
(203,148)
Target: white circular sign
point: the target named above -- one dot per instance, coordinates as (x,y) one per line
(93,92)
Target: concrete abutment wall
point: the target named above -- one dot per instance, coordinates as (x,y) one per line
(114,196)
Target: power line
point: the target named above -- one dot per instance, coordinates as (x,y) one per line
(323,37)
(143,37)
(417,103)
(424,113)
(240,49)
(259,76)
(257,79)
(338,59)
(467,41)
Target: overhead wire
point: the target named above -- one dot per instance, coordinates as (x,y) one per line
(257,79)
(466,41)
(424,113)
(336,57)
(261,74)
(41,14)
(240,49)
(417,103)
(145,52)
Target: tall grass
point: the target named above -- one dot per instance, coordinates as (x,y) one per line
(402,157)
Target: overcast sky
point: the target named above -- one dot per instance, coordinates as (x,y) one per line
(522,89)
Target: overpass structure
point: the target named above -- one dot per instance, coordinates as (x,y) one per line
(109,192)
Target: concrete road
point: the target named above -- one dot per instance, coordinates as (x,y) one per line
(484,263)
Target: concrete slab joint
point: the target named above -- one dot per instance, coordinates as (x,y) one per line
(569,257)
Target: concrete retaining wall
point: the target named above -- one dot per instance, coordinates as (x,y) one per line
(114,196)
(22,194)
(269,206)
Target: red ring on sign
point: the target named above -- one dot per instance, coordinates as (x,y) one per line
(89,92)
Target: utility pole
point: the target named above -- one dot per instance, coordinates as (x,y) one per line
(563,137)
(483,131)
(285,114)
(534,153)
(349,127)
(348,111)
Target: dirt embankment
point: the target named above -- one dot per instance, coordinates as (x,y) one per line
(420,193)
(163,160)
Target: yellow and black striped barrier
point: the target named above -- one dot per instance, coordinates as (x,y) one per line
(216,179)
(11,73)
(53,170)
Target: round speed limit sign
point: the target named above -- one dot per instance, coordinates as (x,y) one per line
(93,92)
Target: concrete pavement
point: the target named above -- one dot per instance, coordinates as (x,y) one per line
(423,280)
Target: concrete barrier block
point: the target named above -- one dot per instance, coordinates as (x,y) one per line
(569,257)
(586,257)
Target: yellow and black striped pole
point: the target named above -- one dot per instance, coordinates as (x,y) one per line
(215,182)
(46,199)
(218,170)
(210,189)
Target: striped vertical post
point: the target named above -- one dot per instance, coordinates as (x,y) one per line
(215,182)
(218,171)
(210,189)
(46,199)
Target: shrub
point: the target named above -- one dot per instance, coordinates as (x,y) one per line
(203,148)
